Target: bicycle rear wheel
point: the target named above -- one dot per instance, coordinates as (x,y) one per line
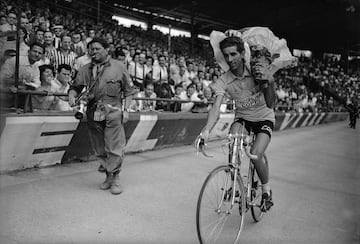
(255,195)
(217,219)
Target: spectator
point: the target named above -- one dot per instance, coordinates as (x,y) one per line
(137,72)
(11,45)
(146,105)
(311,101)
(281,94)
(191,70)
(41,102)
(77,45)
(59,31)
(180,94)
(24,22)
(63,55)
(214,78)
(83,60)
(62,84)
(90,36)
(148,68)
(192,96)
(207,99)
(165,92)
(120,55)
(160,74)
(39,36)
(3,20)
(174,68)
(207,80)
(28,68)
(183,77)
(49,43)
(10,25)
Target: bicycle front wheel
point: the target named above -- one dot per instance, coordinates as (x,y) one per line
(218,219)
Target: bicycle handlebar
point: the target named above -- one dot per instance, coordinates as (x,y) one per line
(200,146)
(247,146)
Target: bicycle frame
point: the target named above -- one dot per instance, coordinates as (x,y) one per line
(233,188)
(240,145)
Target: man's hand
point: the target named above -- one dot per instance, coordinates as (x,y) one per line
(200,143)
(13,89)
(262,72)
(125,116)
(205,135)
(72,98)
(233,33)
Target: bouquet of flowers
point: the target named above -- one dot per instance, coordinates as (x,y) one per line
(261,46)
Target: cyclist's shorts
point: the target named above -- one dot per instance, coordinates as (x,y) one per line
(265,126)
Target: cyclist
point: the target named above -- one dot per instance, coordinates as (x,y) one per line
(254,105)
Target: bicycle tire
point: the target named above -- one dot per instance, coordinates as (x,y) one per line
(228,227)
(255,194)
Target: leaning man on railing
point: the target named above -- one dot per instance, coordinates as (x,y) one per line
(29,74)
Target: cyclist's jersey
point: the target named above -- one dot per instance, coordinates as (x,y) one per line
(249,101)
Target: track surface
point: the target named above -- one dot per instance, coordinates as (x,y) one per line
(315,177)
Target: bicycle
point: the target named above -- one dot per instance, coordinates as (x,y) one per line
(224,188)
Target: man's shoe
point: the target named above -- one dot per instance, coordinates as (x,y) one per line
(108,181)
(101,169)
(115,186)
(266,201)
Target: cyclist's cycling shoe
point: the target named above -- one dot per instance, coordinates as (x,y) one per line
(266,201)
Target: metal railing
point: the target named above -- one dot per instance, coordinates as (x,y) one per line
(29,93)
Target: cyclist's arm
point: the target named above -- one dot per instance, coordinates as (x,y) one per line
(270,94)
(213,114)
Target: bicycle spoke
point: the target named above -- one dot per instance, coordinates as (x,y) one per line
(255,196)
(217,222)
(212,232)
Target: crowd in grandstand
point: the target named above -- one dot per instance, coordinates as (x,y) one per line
(155,70)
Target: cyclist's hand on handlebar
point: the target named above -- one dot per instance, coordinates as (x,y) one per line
(205,135)
(200,143)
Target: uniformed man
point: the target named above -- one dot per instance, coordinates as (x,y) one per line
(105,79)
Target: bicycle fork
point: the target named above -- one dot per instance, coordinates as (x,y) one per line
(229,191)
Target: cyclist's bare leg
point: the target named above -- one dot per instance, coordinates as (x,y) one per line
(262,168)
(236,127)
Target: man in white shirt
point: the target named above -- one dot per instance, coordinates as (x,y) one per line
(11,23)
(83,60)
(182,77)
(192,96)
(160,74)
(191,70)
(29,73)
(280,92)
(7,35)
(79,46)
(137,71)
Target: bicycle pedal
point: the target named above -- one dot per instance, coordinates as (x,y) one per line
(266,204)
